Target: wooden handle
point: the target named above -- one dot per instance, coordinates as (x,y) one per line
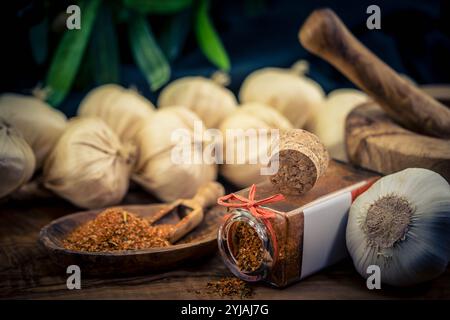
(207,194)
(187,224)
(325,35)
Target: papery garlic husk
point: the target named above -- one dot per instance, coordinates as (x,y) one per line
(39,123)
(123,110)
(402,225)
(329,122)
(17,160)
(287,90)
(250,116)
(89,166)
(211,101)
(156,171)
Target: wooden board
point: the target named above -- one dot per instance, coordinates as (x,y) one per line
(375,142)
(26,272)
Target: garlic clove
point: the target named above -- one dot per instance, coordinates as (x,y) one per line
(156,171)
(39,123)
(206,98)
(328,123)
(250,116)
(402,224)
(89,166)
(292,94)
(123,110)
(17,161)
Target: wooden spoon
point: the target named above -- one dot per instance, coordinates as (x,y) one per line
(191,210)
(325,35)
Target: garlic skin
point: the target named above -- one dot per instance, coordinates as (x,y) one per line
(39,123)
(287,90)
(206,98)
(123,110)
(155,171)
(328,123)
(402,225)
(89,166)
(250,116)
(17,161)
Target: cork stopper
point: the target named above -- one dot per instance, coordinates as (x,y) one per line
(302,160)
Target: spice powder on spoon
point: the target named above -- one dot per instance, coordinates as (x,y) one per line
(116,229)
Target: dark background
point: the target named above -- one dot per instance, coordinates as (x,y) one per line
(414,39)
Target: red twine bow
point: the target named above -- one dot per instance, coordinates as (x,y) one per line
(253,206)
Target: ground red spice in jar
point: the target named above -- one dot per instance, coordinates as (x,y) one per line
(248,248)
(116,229)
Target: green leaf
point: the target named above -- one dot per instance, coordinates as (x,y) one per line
(174,33)
(208,39)
(69,53)
(157,6)
(39,41)
(103,49)
(147,54)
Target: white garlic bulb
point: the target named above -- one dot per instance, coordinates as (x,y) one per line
(250,116)
(402,225)
(89,166)
(17,160)
(329,122)
(288,90)
(156,171)
(123,110)
(211,101)
(39,123)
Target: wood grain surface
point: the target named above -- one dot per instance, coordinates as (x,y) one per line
(26,272)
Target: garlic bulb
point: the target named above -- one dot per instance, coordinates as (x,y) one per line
(211,101)
(122,109)
(288,90)
(156,171)
(89,166)
(329,122)
(39,124)
(250,116)
(402,225)
(16,159)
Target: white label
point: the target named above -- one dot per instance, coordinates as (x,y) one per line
(324,233)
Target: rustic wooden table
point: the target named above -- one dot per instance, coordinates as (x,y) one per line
(27,273)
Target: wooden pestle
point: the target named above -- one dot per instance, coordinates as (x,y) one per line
(325,35)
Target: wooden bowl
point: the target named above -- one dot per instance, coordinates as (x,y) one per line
(200,242)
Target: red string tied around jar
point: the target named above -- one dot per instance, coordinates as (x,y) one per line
(254,207)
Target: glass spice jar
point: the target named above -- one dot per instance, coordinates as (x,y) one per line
(300,236)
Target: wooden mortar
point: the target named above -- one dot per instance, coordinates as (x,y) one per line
(376,142)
